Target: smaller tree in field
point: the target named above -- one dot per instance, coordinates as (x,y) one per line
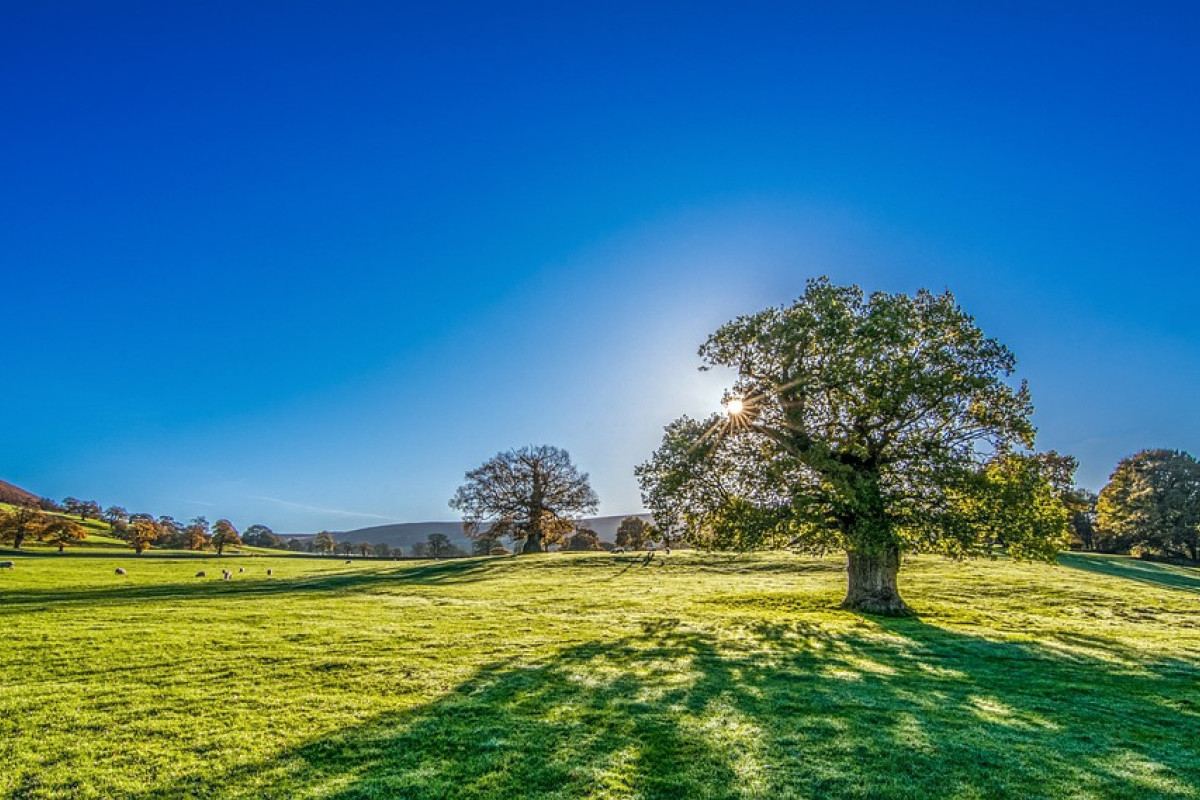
(261,536)
(584,539)
(634,533)
(143,533)
(1152,504)
(324,542)
(383,549)
(532,494)
(20,523)
(364,549)
(438,545)
(115,514)
(483,545)
(61,532)
(196,534)
(224,535)
(345,548)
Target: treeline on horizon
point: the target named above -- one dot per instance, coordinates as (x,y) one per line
(1149,508)
(49,521)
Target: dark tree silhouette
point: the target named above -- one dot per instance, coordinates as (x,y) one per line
(531,494)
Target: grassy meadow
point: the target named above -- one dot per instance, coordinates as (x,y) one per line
(562,675)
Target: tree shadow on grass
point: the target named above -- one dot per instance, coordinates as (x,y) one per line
(888,709)
(1175,577)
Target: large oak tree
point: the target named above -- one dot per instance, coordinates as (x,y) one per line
(531,494)
(875,425)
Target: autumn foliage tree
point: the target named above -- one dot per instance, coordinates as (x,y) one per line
(20,523)
(532,494)
(143,532)
(877,425)
(224,535)
(60,531)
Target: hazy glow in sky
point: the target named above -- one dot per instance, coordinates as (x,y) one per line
(306,266)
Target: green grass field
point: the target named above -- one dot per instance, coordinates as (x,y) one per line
(596,676)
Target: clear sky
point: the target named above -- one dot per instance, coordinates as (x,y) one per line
(306,263)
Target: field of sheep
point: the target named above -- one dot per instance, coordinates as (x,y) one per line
(560,675)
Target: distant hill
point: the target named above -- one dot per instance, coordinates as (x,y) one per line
(406,534)
(16,496)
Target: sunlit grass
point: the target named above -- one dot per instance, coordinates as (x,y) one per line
(588,675)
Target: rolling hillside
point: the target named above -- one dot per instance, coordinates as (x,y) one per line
(15,495)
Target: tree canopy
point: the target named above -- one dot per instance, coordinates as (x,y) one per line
(531,494)
(876,425)
(1152,504)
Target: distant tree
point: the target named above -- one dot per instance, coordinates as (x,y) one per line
(62,531)
(84,509)
(224,535)
(143,533)
(863,424)
(531,494)
(364,549)
(438,545)
(324,542)
(72,505)
(197,535)
(383,549)
(1152,504)
(296,545)
(633,533)
(1081,503)
(119,530)
(115,514)
(484,544)
(171,533)
(584,539)
(420,550)
(20,523)
(261,536)
(345,548)
(49,504)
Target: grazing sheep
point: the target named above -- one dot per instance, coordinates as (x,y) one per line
(270,573)
(617,550)
(241,569)
(348,561)
(201,574)
(120,571)
(6,565)
(228,575)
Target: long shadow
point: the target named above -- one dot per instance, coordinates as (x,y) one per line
(894,708)
(1186,578)
(456,571)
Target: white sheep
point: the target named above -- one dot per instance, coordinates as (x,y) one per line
(120,571)
(241,569)
(201,574)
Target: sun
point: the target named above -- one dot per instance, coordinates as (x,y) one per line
(735,406)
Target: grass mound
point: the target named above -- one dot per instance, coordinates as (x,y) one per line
(596,676)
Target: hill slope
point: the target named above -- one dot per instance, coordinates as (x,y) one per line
(15,495)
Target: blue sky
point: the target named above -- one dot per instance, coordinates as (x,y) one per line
(306,263)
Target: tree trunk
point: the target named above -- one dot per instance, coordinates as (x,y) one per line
(871,581)
(533,543)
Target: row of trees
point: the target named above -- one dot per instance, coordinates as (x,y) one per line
(877,425)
